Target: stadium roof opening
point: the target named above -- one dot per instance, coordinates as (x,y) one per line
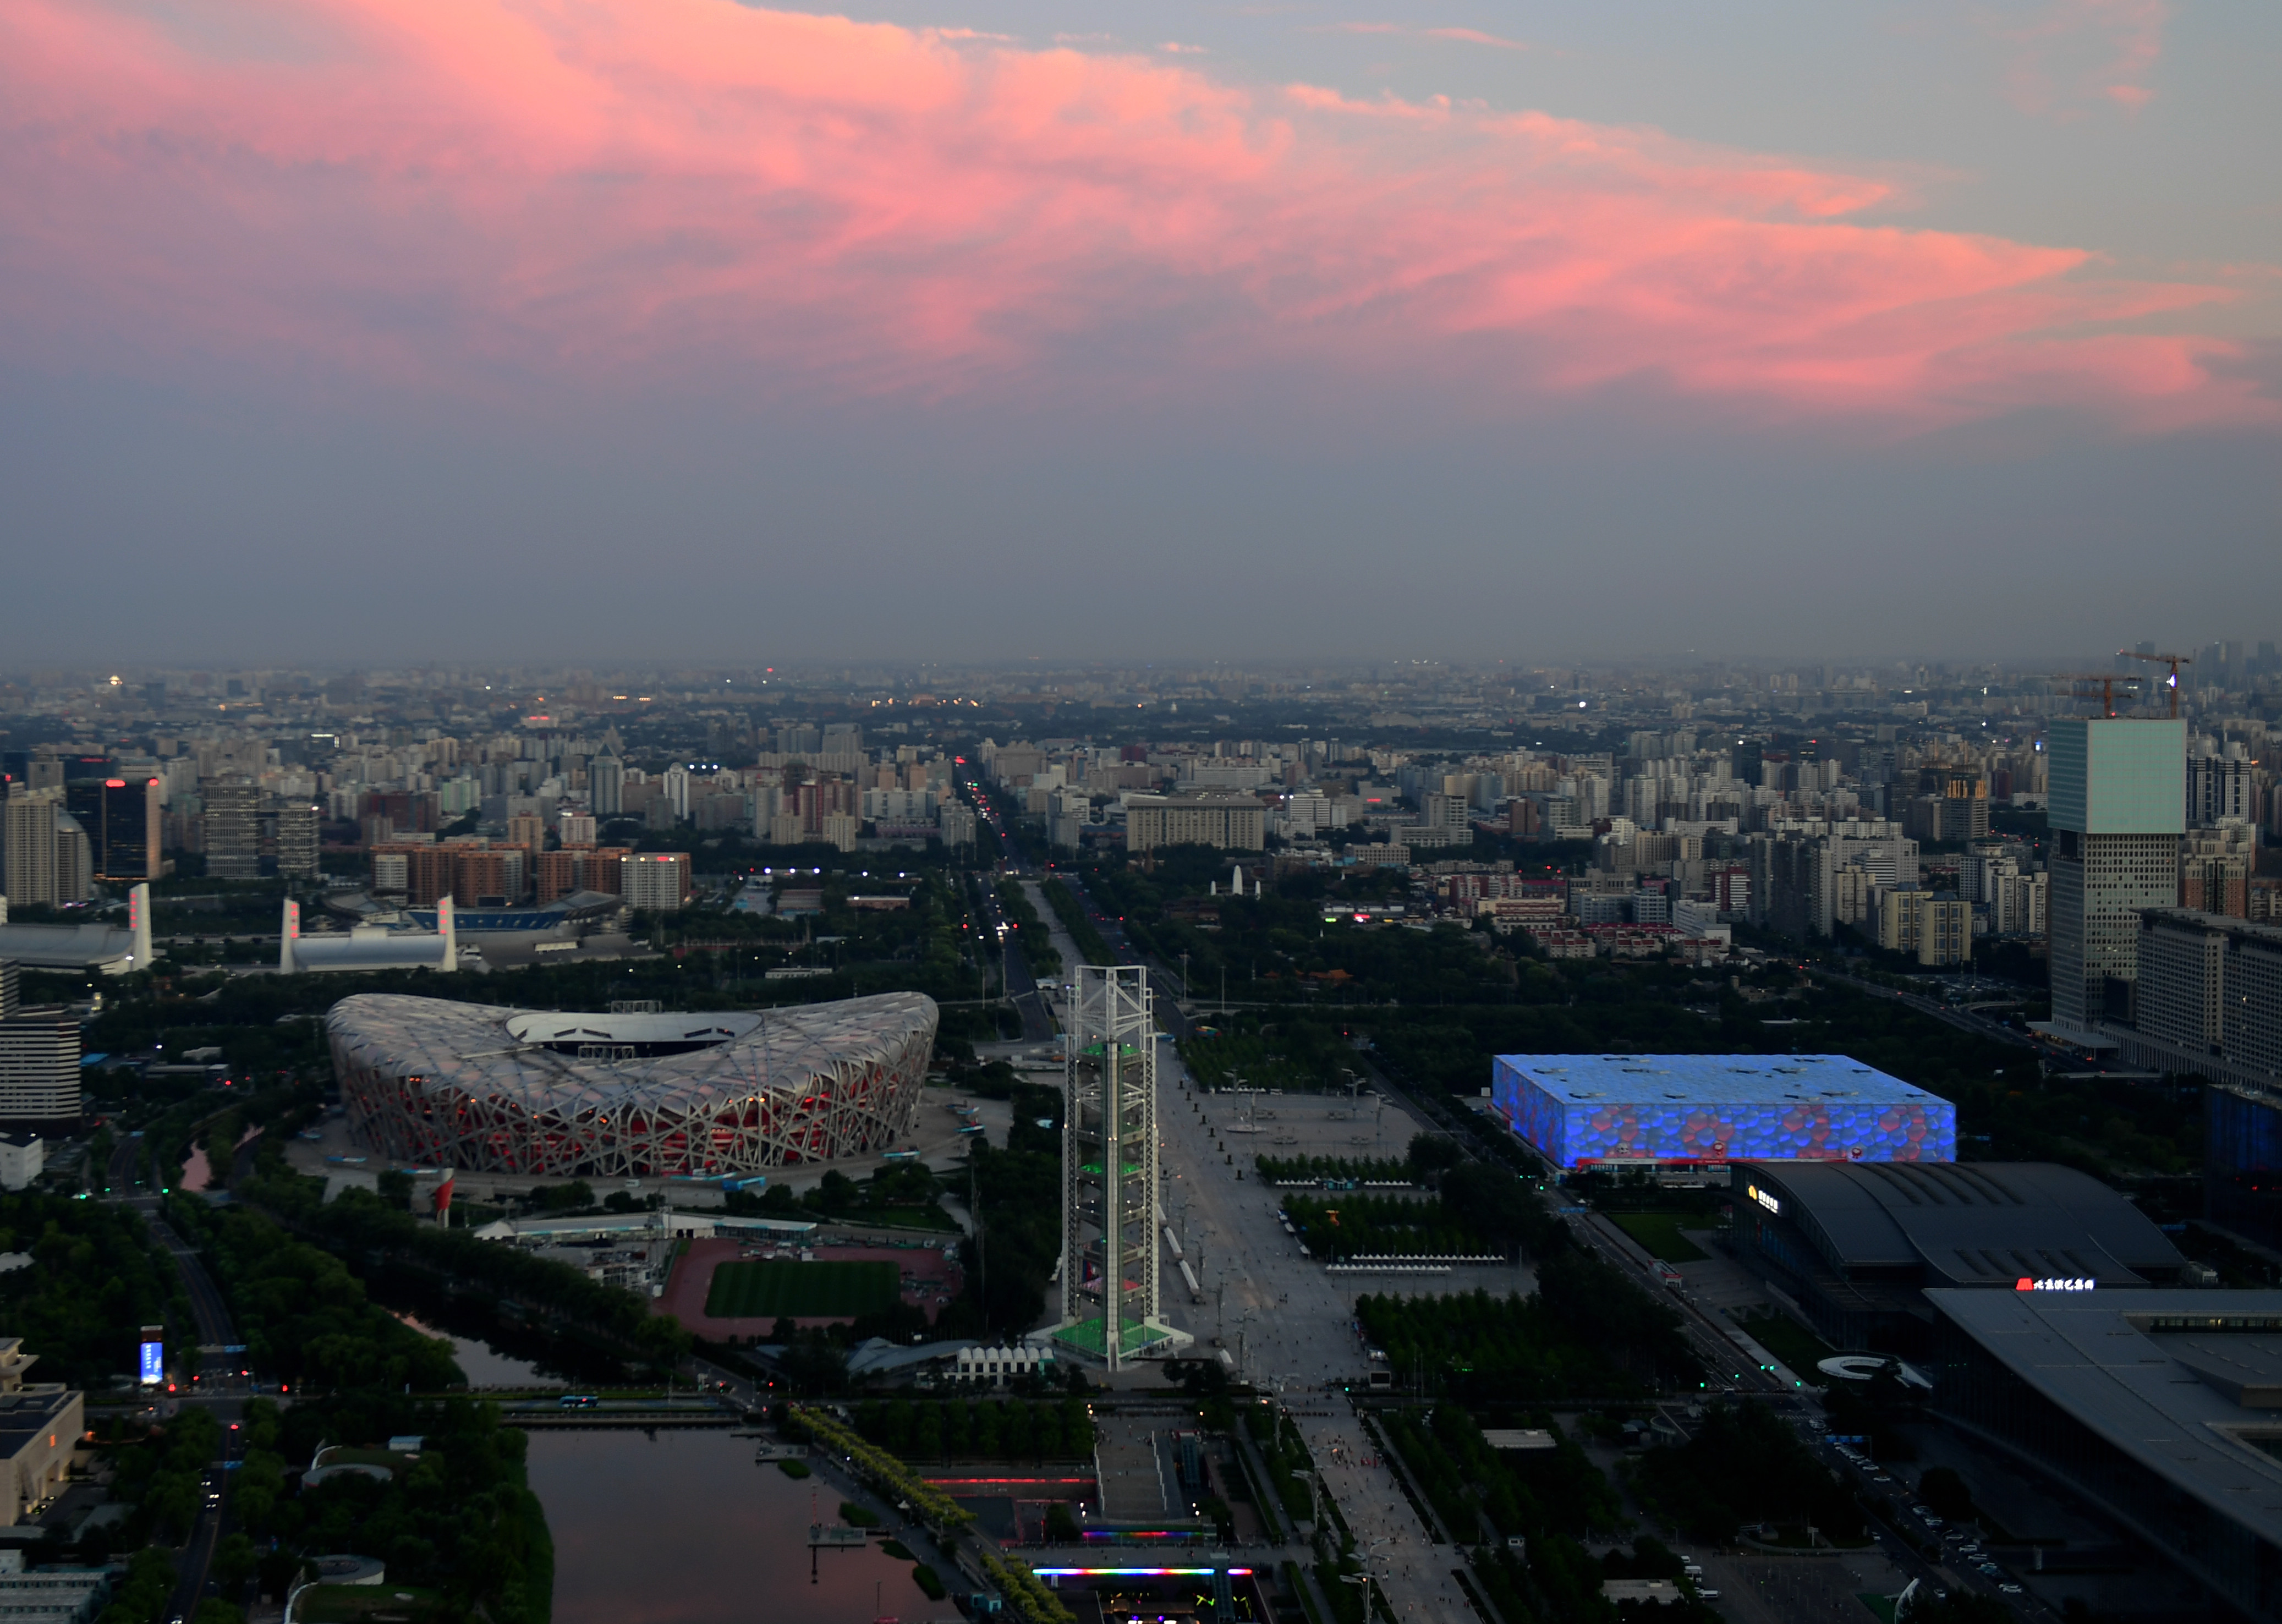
(1582,1110)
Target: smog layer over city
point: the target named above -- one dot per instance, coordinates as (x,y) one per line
(1189,812)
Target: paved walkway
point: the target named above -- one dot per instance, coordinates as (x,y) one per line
(1415,1571)
(1291,1327)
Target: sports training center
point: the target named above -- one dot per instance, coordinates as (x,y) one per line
(484,1089)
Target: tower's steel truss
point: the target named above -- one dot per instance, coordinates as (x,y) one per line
(429,1080)
(1111,1196)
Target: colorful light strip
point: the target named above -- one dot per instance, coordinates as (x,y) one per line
(1145,1534)
(1005,1482)
(1136,1573)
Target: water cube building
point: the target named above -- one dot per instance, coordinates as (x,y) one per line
(1647,1110)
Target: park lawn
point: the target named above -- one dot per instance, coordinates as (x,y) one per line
(352,1604)
(1659,1233)
(765,1290)
(894,1217)
(1792,1343)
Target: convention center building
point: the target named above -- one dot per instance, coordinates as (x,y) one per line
(1857,1247)
(2163,1408)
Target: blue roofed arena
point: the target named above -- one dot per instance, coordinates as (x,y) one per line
(485,1088)
(1586,1110)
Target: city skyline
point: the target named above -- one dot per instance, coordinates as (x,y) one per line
(362,333)
(1292,810)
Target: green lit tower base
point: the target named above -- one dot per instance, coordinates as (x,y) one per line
(1110,1208)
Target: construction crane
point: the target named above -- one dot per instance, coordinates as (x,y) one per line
(2078,681)
(2172,681)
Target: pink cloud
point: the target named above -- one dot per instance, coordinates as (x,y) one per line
(1475,37)
(1464,36)
(494,194)
(2075,52)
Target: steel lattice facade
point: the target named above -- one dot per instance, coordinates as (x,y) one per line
(509,1090)
(1112,1182)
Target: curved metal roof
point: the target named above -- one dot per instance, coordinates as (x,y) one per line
(1969,1222)
(65,947)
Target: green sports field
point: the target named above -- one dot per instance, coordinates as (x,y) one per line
(804,1291)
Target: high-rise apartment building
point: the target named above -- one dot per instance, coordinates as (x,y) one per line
(421,874)
(1959,798)
(606,781)
(2018,905)
(676,780)
(1934,927)
(1226,822)
(39,1062)
(2215,869)
(2117,809)
(578,868)
(2179,993)
(232,821)
(954,823)
(46,859)
(656,880)
(290,831)
(124,822)
(486,876)
(2210,989)
(2220,788)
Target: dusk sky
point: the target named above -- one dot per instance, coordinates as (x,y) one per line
(381,330)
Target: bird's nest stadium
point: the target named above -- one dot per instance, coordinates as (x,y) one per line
(514,1091)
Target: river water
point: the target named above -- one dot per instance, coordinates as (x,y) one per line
(684,1529)
(483,1365)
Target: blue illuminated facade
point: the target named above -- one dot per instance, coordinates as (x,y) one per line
(1582,1110)
(2242,1163)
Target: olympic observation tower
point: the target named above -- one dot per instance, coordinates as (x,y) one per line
(1111,1192)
